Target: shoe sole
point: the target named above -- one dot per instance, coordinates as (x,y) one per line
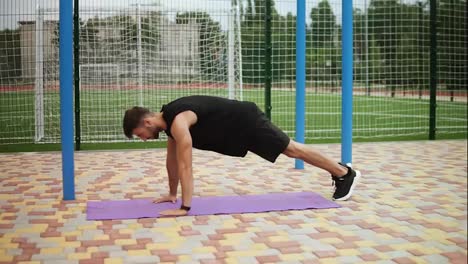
(355,181)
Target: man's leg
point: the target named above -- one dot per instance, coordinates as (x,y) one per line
(313,157)
(344,177)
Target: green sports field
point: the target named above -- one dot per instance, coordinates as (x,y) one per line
(374,118)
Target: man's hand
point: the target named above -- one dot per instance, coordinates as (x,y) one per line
(168,198)
(174,212)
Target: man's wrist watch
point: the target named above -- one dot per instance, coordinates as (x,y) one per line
(186,208)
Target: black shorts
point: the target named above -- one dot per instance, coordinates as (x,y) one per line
(267,140)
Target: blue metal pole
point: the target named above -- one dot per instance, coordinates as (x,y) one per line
(66,97)
(300,75)
(347,80)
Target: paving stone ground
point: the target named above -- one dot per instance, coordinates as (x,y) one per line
(410,207)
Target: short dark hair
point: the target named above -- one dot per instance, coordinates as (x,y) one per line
(133,118)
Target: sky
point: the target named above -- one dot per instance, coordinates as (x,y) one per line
(12,11)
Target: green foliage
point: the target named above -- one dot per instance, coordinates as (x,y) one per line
(323,51)
(452,37)
(399,31)
(283,39)
(210,47)
(116,34)
(323,25)
(253,43)
(10,54)
(149,29)
(383,25)
(284,48)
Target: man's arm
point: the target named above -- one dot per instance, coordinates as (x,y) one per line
(183,153)
(171,166)
(173,177)
(183,142)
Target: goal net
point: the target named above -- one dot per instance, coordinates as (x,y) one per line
(142,55)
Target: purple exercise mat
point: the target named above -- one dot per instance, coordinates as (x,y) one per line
(142,208)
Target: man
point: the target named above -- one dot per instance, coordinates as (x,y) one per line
(228,127)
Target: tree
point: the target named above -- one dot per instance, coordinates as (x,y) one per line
(367,56)
(150,35)
(89,41)
(383,26)
(10,52)
(452,37)
(211,47)
(253,41)
(102,40)
(284,47)
(399,30)
(323,57)
(412,46)
(110,37)
(252,38)
(323,25)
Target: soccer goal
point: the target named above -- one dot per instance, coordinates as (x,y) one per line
(141,55)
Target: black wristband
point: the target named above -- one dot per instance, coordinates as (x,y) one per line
(186,208)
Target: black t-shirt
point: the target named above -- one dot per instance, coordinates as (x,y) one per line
(223,125)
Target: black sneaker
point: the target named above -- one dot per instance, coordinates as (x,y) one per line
(344,185)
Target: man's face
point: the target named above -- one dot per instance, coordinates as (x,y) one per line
(147,131)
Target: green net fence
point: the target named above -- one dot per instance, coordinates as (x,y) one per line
(148,52)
